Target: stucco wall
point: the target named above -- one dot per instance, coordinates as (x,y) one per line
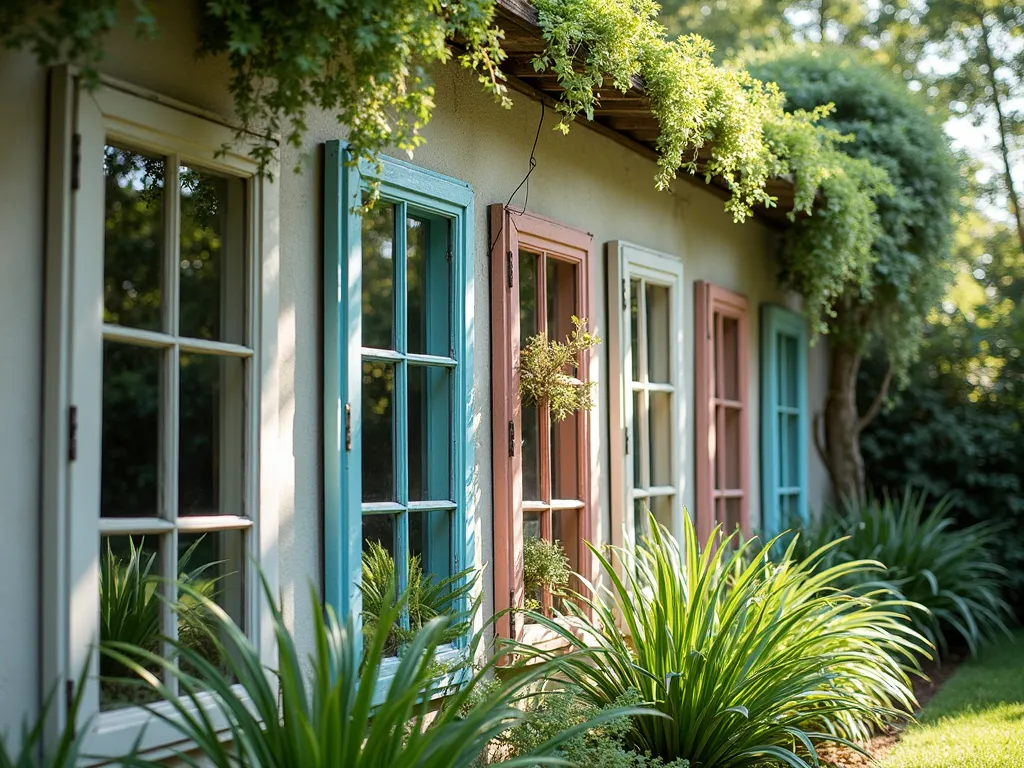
(584,180)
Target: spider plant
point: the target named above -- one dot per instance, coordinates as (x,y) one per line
(130,604)
(426,597)
(947,574)
(325,710)
(753,662)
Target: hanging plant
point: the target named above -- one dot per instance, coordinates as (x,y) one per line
(545,566)
(546,372)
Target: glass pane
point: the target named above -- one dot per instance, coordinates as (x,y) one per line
(660,441)
(565,458)
(731,521)
(639,427)
(379,277)
(730,358)
(130,612)
(662,507)
(792,458)
(213,564)
(716,336)
(640,519)
(378,431)
(211,452)
(561,294)
(659,329)
(133,238)
(565,529)
(530,446)
(634,328)
(731,448)
(430,551)
(212,267)
(428,271)
(528,279)
(532,525)
(378,576)
(791,372)
(130,456)
(430,433)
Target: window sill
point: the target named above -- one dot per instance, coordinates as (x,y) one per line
(114,734)
(446,654)
(546,639)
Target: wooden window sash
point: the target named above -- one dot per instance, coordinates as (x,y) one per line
(714,305)
(511,232)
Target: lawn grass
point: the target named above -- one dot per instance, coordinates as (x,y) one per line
(976,720)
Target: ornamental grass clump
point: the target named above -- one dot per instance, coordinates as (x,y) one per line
(754,662)
(948,576)
(335,707)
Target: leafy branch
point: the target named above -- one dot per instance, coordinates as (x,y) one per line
(545,367)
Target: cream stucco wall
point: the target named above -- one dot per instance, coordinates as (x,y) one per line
(584,180)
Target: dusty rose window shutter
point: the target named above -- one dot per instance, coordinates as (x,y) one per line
(722,409)
(551,497)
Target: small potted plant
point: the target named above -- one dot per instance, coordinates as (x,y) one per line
(545,569)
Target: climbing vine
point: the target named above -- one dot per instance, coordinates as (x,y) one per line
(366,63)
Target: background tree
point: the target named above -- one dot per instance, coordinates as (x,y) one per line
(887,305)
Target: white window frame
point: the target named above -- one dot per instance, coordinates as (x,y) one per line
(81,121)
(626,262)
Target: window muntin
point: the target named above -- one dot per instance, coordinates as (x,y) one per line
(540,278)
(723,494)
(398,373)
(645,290)
(783,419)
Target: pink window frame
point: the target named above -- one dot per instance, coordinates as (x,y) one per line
(713,305)
(510,231)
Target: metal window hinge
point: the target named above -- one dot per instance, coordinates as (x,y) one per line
(511,438)
(627,441)
(73,433)
(348,427)
(625,294)
(449,254)
(508,266)
(511,615)
(76,161)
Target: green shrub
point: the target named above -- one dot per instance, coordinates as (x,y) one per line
(753,662)
(320,710)
(947,575)
(603,746)
(544,565)
(426,598)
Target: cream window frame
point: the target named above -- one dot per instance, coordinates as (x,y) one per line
(627,261)
(81,122)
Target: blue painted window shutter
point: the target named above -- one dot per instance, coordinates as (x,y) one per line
(784,424)
(398,373)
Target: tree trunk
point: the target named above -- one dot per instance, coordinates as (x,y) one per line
(843,425)
(1004,131)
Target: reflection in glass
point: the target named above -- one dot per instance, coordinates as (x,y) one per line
(731,521)
(378,276)
(133,238)
(565,529)
(531,525)
(731,357)
(211,439)
(658,328)
(130,612)
(378,431)
(563,455)
(130,454)
(531,453)
(428,277)
(561,295)
(660,438)
(639,422)
(640,526)
(430,439)
(528,269)
(730,444)
(634,328)
(661,506)
(430,538)
(380,530)
(212,262)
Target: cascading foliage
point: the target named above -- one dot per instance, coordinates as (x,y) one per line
(367,63)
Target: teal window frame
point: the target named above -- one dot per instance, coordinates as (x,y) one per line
(783,331)
(430,195)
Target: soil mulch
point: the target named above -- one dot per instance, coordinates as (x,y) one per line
(880,745)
